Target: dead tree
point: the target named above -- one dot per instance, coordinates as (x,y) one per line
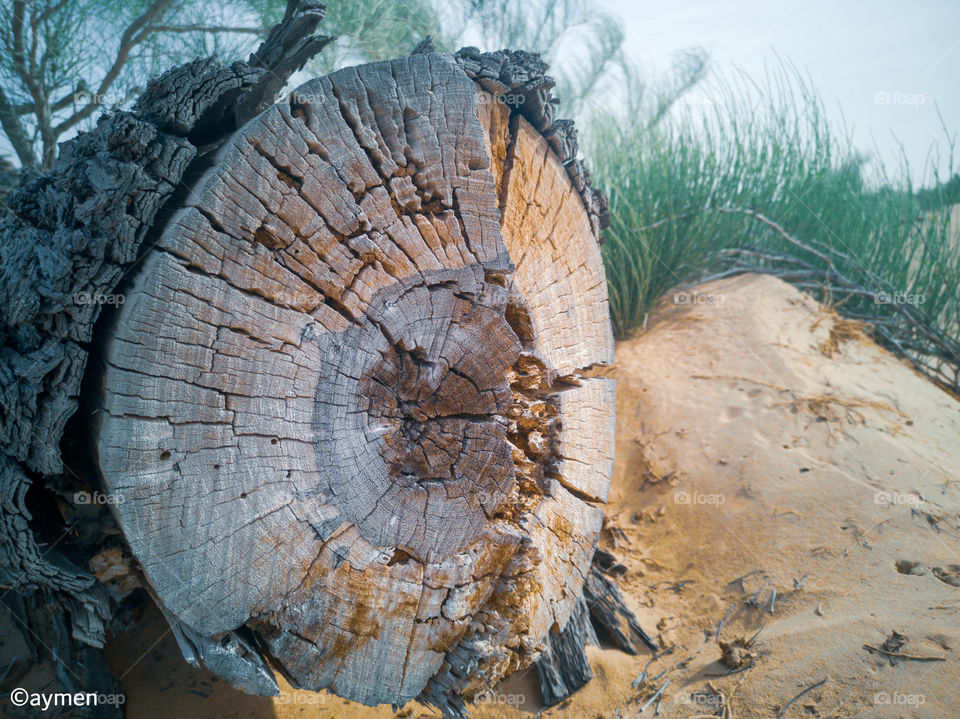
(334,391)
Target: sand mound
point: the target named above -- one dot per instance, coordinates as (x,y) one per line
(758,432)
(776,468)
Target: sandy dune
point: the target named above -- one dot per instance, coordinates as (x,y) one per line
(759,435)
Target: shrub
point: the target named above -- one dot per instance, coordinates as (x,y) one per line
(742,176)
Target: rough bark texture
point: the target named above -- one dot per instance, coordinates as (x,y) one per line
(610,613)
(518,80)
(68,239)
(314,393)
(342,402)
(563,667)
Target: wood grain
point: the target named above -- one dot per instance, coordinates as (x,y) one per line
(342,401)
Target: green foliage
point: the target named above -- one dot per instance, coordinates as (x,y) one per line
(371,30)
(62,62)
(742,176)
(944,193)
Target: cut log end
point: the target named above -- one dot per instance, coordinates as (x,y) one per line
(342,401)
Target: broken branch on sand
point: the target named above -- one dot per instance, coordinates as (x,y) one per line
(898,655)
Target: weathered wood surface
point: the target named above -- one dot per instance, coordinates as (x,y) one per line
(518,80)
(66,242)
(342,400)
(563,667)
(335,399)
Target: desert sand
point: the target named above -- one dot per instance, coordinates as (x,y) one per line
(776,471)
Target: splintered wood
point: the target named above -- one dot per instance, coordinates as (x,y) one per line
(342,400)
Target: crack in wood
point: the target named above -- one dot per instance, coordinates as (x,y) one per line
(342,284)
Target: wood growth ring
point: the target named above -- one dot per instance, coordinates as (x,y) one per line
(342,400)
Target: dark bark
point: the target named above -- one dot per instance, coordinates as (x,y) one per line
(611,614)
(67,240)
(520,79)
(563,668)
(73,236)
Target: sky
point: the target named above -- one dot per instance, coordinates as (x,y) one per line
(882,67)
(888,64)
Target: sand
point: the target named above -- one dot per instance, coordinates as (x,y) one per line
(758,434)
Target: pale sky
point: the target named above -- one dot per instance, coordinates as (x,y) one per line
(884,62)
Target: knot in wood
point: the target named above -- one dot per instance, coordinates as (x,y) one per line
(410,414)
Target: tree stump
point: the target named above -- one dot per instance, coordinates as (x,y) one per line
(342,410)
(342,398)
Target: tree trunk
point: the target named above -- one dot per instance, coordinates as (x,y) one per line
(339,413)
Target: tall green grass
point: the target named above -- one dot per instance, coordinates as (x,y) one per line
(751,176)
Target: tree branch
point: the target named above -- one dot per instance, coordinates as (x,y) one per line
(778,229)
(51,11)
(30,80)
(13,128)
(133,35)
(27,108)
(208,28)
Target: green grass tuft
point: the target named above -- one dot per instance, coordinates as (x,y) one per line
(761,182)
